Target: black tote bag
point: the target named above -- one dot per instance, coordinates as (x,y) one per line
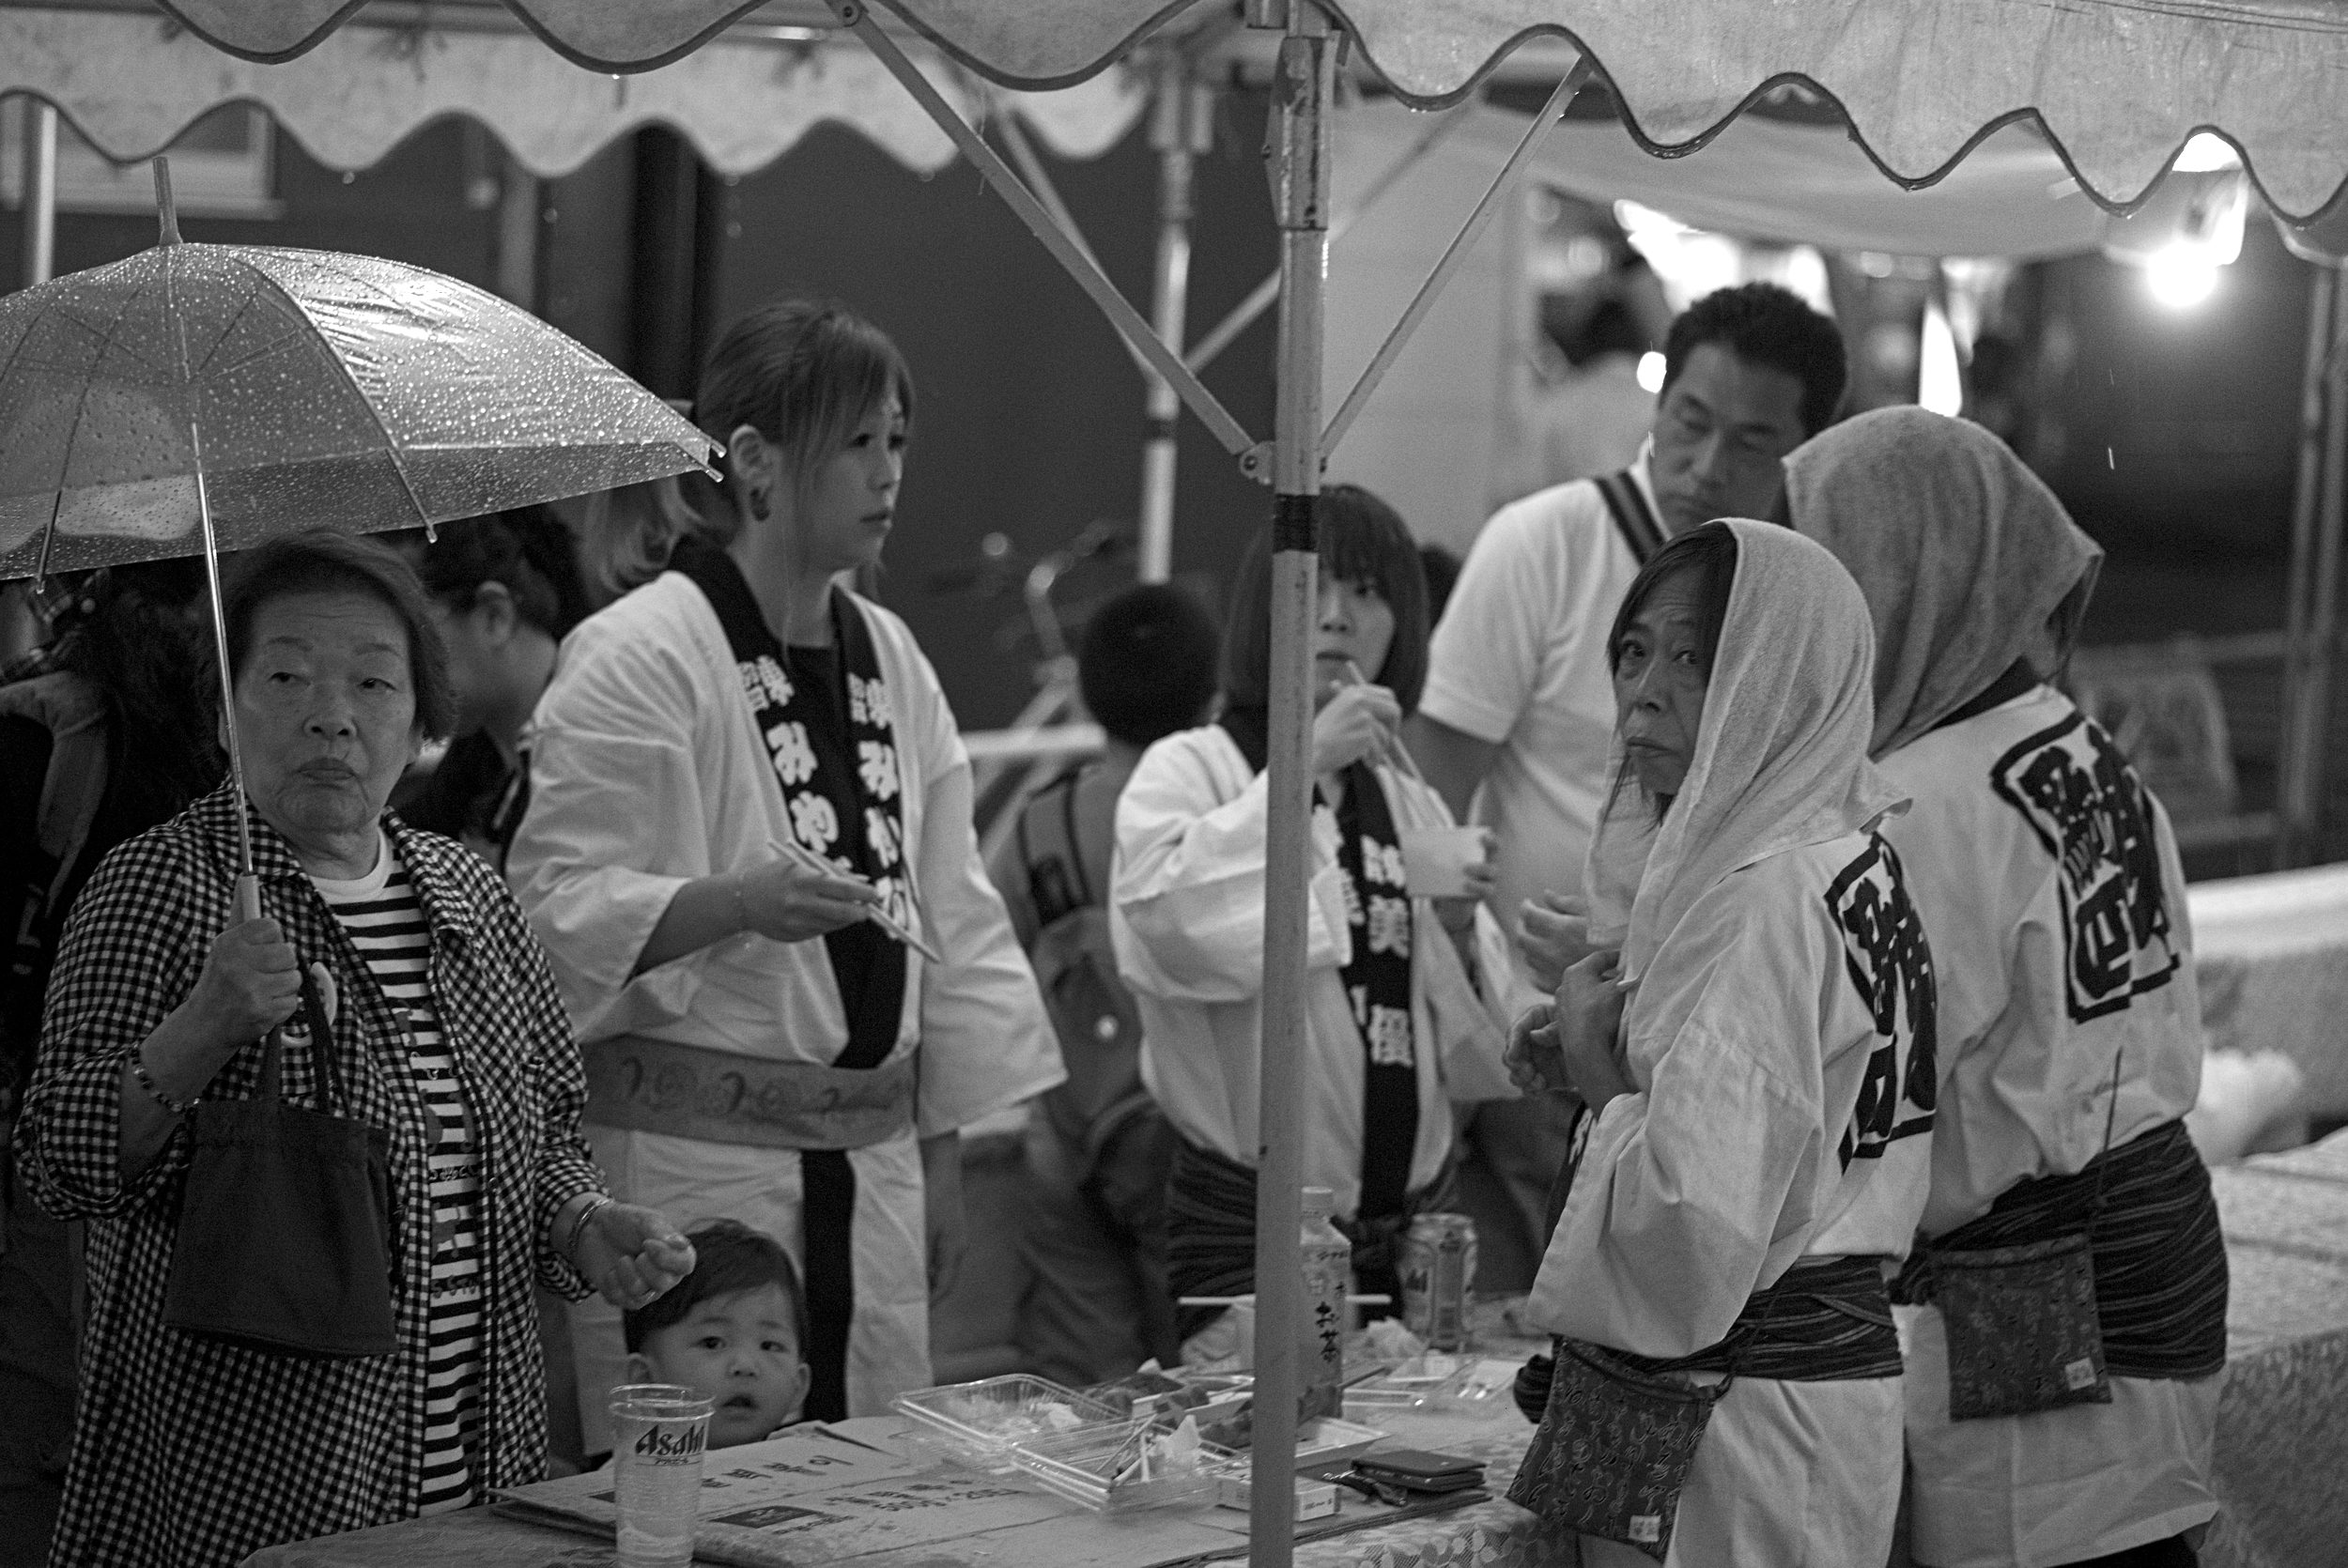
(284,1222)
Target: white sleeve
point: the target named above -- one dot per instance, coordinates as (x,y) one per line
(1187,891)
(986,1041)
(1465,1011)
(1484,663)
(1683,1187)
(617,822)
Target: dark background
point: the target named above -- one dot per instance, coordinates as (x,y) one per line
(2172,435)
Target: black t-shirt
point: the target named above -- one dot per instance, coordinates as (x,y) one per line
(859,951)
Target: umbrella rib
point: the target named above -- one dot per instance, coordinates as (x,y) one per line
(391,447)
(211,355)
(81,401)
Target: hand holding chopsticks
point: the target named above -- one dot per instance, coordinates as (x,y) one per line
(871,907)
(1398,755)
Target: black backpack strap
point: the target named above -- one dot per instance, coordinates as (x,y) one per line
(1632,517)
(1085,895)
(1054,879)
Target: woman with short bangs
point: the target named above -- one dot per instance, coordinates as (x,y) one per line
(1752,1041)
(1395,1029)
(736,764)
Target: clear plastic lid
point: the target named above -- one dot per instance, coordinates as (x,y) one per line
(1317,1203)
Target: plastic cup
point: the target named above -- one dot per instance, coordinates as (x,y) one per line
(659,1433)
(1435,859)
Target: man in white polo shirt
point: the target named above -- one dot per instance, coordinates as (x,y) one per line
(1519,709)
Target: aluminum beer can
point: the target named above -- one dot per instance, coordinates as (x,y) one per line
(1438,1261)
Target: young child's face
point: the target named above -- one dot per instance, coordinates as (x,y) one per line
(740,1349)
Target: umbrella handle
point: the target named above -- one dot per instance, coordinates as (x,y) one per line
(272,1048)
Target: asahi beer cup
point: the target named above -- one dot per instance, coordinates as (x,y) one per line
(1435,859)
(658,1431)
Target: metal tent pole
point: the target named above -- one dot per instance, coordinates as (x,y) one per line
(2290,811)
(41,193)
(2315,545)
(1181,128)
(1504,184)
(1259,298)
(2324,600)
(1298,146)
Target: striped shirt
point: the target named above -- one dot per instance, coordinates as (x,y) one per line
(382,916)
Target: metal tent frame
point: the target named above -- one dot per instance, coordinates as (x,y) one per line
(1683,69)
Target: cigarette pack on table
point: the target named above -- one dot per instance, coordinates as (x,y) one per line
(1315,1500)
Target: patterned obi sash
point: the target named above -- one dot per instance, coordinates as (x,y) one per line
(1826,1320)
(690,1091)
(2152,1228)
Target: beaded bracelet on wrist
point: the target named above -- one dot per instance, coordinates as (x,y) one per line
(154,1091)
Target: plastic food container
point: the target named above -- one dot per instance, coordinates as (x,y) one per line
(1326,1440)
(1208,1398)
(1119,1469)
(1429,1379)
(980,1421)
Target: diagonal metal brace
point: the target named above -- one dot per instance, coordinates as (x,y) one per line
(1072,257)
(1462,244)
(1039,180)
(1248,311)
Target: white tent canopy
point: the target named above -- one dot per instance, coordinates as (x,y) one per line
(2118,85)
(1813,185)
(130,81)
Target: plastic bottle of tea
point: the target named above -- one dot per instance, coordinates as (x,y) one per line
(1327,1258)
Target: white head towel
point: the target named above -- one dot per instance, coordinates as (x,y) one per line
(1965,557)
(1780,757)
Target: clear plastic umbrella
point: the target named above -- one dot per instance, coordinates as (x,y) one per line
(198,398)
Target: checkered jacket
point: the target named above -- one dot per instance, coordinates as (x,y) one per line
(188,1453)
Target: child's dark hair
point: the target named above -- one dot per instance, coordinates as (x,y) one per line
(1147,662)
(1709,554)
(1363,541)
(728,1256)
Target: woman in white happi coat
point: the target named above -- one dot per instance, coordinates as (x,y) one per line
(2050,886)
(1754,1044)
(1395,1029)
(757,1048)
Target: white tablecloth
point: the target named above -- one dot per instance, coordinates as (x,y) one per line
(2272,957)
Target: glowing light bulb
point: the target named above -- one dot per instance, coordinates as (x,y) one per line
(1939,382)
(2180,277)
(1651,372)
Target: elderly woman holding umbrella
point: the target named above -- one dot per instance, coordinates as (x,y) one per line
(448,1043)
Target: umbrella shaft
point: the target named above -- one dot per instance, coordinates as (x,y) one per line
(220,654)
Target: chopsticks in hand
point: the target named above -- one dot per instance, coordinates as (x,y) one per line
(1397,753)
(790,848)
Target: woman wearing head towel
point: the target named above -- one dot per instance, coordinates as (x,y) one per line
(2069,1031)
(1753,1041)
